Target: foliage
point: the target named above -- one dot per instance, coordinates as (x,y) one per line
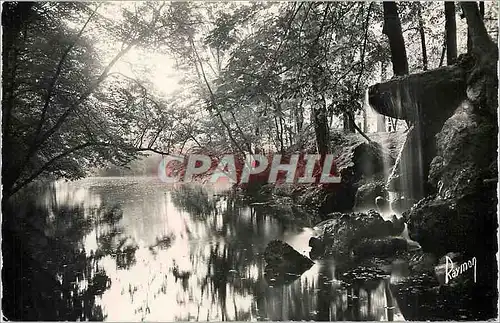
(254,77)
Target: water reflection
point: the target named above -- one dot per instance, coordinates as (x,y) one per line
(47,273)
(135,249)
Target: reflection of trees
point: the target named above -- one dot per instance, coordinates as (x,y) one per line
(110,239)
(47,273)
(234,268)
(194,199)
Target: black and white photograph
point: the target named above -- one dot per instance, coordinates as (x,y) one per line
(249,161)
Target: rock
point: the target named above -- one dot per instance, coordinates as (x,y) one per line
(318,246)
(441,226)
(482,82)
(466,153)
(380,247)
(367,193)
(340,197)
(401,205)
(464,208)
(437,92)
(398,225)
(382,204)
(427,99)
(282,258)
(370,159)
(340,234)
(357,164)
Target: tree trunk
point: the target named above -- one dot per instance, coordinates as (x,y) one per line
(451,32)
(469,41)
(422,37)
(348,127)
(481,43)
(381,127)
(443,52)
(278,135)
(365,121)
(321,128)
(392,28)
(481,9)
(299,117)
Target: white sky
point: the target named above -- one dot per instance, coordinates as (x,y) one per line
(139,63)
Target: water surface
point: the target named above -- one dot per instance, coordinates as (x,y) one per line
(132,249)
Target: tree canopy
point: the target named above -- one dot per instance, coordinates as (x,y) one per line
(81,88)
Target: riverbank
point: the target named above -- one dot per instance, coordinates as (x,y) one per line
(364,169)
(373,249)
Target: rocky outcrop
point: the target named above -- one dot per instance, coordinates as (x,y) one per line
(464,173)
(367,193)
(284,264)
(466,153)
(459,221)
(369,159)
(380,247)
(404,97)
(467,224)
(342,234)
(359,164)
(340,197)
(402,204)
(427,100)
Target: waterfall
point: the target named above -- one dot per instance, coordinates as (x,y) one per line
(406,179)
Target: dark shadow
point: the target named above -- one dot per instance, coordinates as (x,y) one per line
(47,273)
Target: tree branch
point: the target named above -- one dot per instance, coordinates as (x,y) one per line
(42,169)
(213,99)
(54,79)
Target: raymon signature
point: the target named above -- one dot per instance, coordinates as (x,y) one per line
(452,271)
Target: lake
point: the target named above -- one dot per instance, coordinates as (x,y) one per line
(133,248)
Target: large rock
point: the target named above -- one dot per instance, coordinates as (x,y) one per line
(408,96)
(367,193)
(402,204)
(380,247)
(339,235)
(467,224)
(466,153)
(464,173)
(283,260)
(370,159)
(359,164)
(426,99)
(340,197)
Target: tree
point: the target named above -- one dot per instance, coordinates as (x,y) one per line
(422,36)
(481,43)
(55,120)
(451,32)
(392,28)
